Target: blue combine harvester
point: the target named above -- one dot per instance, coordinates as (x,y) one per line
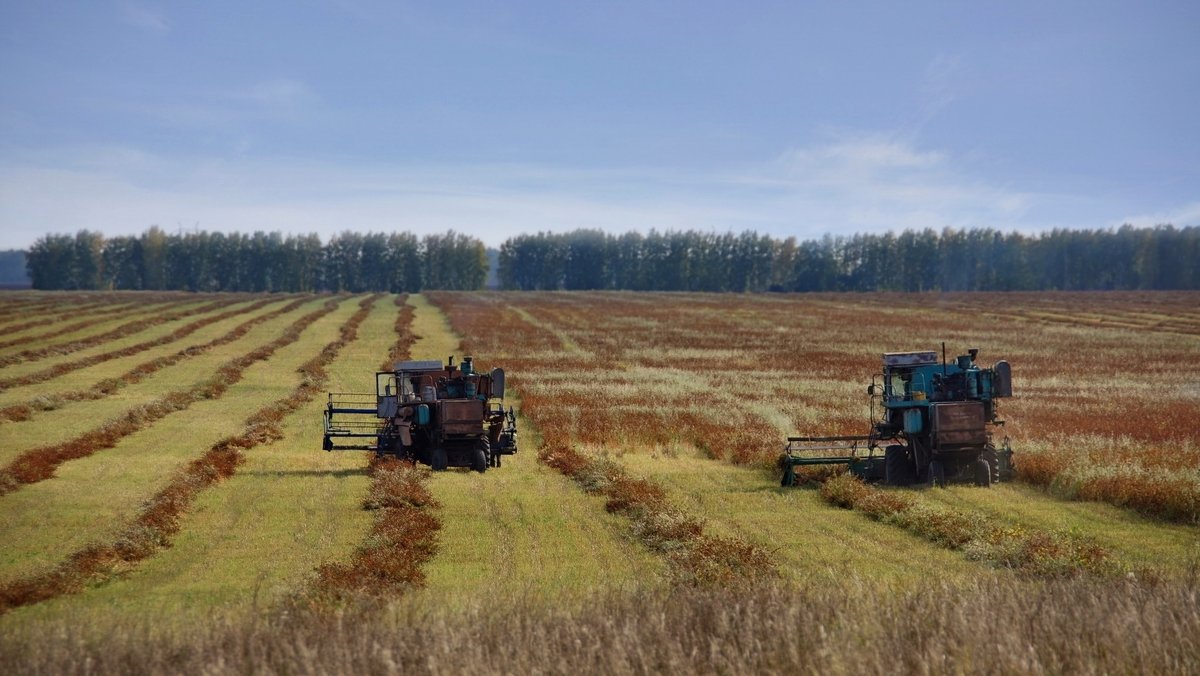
(934,425)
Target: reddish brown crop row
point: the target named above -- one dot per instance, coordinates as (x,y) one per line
(403,534)
(104,388)
(39,464)
(1105,382)
(122,331)
(696,558)
(158,520)
(1030,552)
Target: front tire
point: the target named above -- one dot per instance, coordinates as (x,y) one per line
(438,460)
(480,456)
(897,468)
(937,474)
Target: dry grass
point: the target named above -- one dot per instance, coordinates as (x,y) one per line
(996,627)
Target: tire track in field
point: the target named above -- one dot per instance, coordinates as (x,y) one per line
(23,411)
(127,329)
(39,464)
(158,520)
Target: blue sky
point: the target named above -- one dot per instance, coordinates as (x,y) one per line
(494,118)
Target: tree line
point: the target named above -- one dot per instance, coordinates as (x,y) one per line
(1162,257)
(204,261)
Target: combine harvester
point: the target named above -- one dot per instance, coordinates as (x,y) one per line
(423,411)
(934,425)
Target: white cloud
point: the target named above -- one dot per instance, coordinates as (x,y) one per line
(852,184)
(149,19)
(1188,214)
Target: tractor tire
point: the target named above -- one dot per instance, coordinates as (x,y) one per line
(937,474)
(989,454)
(983,473)
(480,457)
(438,460)
(897,468)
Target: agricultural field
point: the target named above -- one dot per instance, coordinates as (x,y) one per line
(165,505)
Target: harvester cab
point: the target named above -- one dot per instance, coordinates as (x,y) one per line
(424,411)
(933,420)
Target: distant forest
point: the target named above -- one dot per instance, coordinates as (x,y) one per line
(1163,257)
(204,261)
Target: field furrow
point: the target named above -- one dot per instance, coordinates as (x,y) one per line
(23,396)
(520,529)
(190,374)
(135,530)
(38,464)
(811,541)
(255,537)
(92,310)
(124,330)
(75,327)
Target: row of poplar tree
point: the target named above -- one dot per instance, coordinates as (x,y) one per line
(213,261)
(1163,257)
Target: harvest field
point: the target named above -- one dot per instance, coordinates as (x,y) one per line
(161,477)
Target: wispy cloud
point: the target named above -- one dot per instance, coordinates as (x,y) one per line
(1187,214)
(853,183)
(149,19)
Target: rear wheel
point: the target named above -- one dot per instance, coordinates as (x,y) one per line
(983,473)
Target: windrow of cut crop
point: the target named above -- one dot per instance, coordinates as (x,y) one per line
(106,387)
(39,464)
(403,536)
(85,320)
(93,310)
(159,519)
(696,558)
(1031,552)
(122,331)
(62,307)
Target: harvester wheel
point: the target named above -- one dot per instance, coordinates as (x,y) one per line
(438,460)
(989,454)
(937,474)
(897,469)
(479,457)
(983,473)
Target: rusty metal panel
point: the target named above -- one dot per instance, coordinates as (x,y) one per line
(461,416)
(959,423)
